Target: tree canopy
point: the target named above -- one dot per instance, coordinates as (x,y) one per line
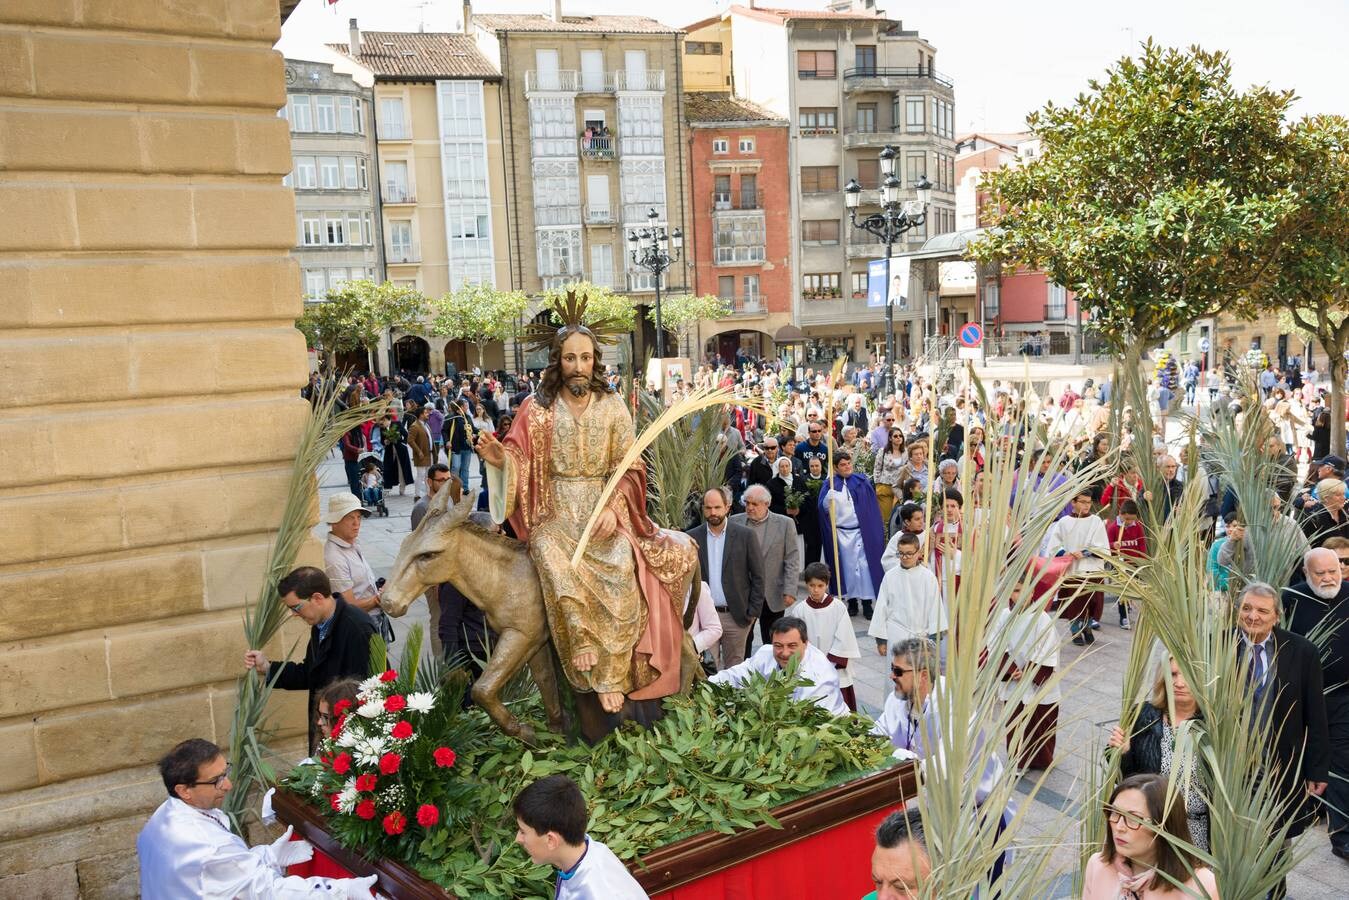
(682,312)
(601,303)
(477,314)
(1158,196)
(355,315)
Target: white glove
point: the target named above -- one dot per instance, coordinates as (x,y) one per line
(286,853)
(359,888)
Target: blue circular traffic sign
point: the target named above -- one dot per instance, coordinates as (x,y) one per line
(971,334)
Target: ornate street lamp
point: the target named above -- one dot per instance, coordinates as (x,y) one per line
(894,219)
(654,249)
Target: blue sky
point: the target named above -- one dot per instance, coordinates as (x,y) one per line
(1006,58)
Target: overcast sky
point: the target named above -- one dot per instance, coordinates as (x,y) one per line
(1006,58)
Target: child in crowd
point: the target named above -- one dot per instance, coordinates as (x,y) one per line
(1127,539)
(830,627)
(1234,528)
(1031,653)
(372,486)
(1082,536)
(550,821)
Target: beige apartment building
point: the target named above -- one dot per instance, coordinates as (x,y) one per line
(851,82)
(442,176)
(594,141)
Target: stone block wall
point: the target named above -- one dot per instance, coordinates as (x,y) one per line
(148,406)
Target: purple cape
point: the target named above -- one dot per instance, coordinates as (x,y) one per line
(868,519)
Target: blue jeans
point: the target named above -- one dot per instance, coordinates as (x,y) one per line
(372,496)
(459,462)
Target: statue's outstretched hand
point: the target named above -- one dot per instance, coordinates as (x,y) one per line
(490,449)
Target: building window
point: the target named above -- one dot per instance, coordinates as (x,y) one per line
(400,241)
(702,48)
(992,300)
(602,266)
(348,115)
(819,179)
(819,231)
(865,122)
(354,229)
(943,118)
(461,113)
(338,277)
(367,229)
(859,285)
(315,286)
(311,230)
(869,174)
(641,127)
(330,177)
(326,114)
(351,179)
(301,113)
(865,59)
(750,285)
(337,232)
(915,167)
(726,287)
(913,114)
(393,125)
(641,184)
(820,286)
(818,120)
(738,239)
(306,174)
(363,179)
(1056,302)
(816,64)
(721,145)
(747,145)
(827,349)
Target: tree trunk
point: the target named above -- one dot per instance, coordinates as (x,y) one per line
(479,346)
(1338,366)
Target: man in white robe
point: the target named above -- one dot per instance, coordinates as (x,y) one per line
(550,821)
(791,640)
(187,850)
(909,604)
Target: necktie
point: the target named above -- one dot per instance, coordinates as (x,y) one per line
(1258,666)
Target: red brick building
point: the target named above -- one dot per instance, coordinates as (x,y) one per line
(740,230)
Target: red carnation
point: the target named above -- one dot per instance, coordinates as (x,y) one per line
(366,809)
(342,764)
(340,707)
(326,759)
(444,757)
(427,815)
(389,675)
(336,806)
(389,762)
(395,703)
(402,730)
(337,727)
(395,822)
(365,782)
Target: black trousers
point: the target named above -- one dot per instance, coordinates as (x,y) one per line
(1337,789)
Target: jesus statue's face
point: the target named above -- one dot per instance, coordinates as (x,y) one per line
(578,363)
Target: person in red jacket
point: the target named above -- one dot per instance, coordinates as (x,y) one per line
(1127,539)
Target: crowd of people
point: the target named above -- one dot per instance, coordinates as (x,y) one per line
(847,502)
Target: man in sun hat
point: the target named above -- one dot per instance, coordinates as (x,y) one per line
(350,574)
(339,639)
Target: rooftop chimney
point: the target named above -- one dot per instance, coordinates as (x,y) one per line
(557,10)
(468,17)
(353,38)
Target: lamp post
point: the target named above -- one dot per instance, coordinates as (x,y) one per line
(654,249)
(894,219)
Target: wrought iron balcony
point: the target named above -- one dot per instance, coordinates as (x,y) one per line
(599,147)
(396,192)
(736,200)
(881,78)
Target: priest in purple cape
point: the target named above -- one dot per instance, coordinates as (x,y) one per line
(856,519)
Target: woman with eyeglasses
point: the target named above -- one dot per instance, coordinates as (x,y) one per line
(1144,855)
(885,471)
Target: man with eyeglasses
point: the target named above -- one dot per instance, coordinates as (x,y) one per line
(188,850)
(339,640)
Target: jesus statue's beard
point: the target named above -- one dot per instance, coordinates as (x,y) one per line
(579,387)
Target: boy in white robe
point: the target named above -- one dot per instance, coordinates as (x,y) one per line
(791,640)
(550,821)
(1025,637)
(827,619)
(1081,536)
(909,604)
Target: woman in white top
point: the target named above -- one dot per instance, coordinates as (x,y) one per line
(706,627)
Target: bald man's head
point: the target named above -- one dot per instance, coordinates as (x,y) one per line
(1322,568)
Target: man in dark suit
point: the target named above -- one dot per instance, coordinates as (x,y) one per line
(732,566)
(1286,684)
(339,639)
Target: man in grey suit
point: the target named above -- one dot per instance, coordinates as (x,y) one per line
(733,569)
(781,559)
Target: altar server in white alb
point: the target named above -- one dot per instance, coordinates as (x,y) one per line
(791,640)
(909,604)
(550,823)
(830,626)
(188,852)
(1081,536)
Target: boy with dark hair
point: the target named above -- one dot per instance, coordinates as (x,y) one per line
(827,618)
(550,821)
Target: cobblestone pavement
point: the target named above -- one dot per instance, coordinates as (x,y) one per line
(1091,700)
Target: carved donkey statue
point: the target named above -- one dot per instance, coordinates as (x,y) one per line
(496,573)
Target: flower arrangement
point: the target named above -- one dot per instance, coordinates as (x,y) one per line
(391,774)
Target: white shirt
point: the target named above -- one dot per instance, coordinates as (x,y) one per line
(599,875)
(188,854)
(1086,534)
(1029,639)
(908,605)
(716,548)
(814,666)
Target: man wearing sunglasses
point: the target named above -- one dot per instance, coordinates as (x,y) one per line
(339,639)
(188,850)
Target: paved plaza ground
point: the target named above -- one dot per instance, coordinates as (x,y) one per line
(1091,703)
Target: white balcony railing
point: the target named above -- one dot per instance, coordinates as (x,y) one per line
(394,130)
(599,215)
(396,192)
(649,80)
(554,282)
(564,80)
(641,282)
(396,254)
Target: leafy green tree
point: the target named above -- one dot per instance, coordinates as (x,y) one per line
(681,313)
(1310,283)
(355,315)
(601,303)
(1158,197)
(477,314)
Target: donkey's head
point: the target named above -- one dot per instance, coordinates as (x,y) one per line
(426,558)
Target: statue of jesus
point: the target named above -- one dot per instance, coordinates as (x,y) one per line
(614,620)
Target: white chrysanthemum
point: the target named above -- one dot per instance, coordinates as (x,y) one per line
(346,798)
(369,750)
(371,709)
(421,701)
(348,738)
(370,685)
